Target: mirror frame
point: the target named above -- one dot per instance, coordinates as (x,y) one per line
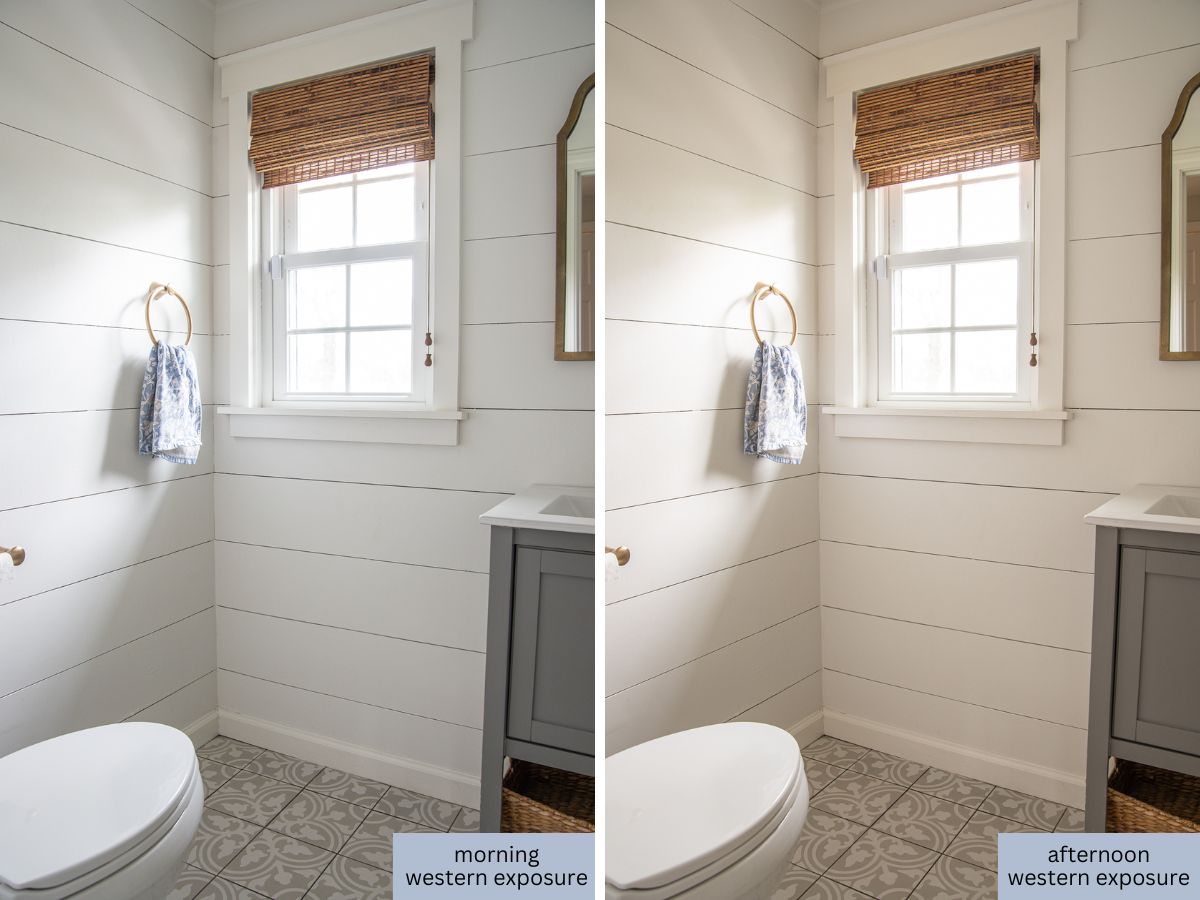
(1167,224)
(560,238)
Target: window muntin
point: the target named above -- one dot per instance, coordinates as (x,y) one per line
(954,288)
(350,288)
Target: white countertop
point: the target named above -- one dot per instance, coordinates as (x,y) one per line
(524,509)
(1128,510)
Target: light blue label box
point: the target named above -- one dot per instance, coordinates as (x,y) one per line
(1124,866)
(429,866)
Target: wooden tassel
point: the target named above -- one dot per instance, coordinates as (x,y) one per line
(428,353)
(1033,342)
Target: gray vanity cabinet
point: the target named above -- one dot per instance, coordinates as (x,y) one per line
(539,699)
(1145,690)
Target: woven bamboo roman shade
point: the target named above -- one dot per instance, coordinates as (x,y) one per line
(948,123)
(376,116)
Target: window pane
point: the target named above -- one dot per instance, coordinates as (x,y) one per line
(991,211)
(381,293)
(385,212)
(317,363)
(985,362)
(381,362)
(319,298)
(930,218)
(985,293)
(921,363)
(325,218)
(921,298)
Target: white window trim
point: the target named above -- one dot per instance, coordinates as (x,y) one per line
(1044,26)
(440,25)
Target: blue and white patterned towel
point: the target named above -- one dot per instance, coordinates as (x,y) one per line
(170,415)
(776,411)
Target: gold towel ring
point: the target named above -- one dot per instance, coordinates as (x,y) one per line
(156,291)
(761,290)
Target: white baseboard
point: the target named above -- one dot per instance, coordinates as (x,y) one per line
(809,728)
(203,730)
(1040,781)
(445,784)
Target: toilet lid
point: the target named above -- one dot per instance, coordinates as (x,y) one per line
(70,804)
(681,802)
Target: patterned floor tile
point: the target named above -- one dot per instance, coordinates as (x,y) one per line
(820,774)
(924,820)
(976,843)
(857,797)
(467,821)
(278,866)
(230,752)
(190,882)
(317,819)
(372,843)
(418,808)
(344,786)
(1072,821)
(882,866)
(956,788)
(282,767)
(214,774)
(831,890)
(952,879)
(347,879)
(220,889)
(795,882)
(218,840)
(825,837)
(889,768)
(255,798)
(1023,808)
(831,750)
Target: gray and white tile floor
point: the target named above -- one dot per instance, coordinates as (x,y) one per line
(884,828)
(283,828)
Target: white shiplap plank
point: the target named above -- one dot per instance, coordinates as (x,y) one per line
(681,539)
(798,21)
(659,96)
(416,603)
(654,277)
(716,687)
(509,30)
(788,708)
(411,525)
(825,301)
(1114,279)
(676,192)
(1117,367)
(1111,30)
(508,280)
(656,632)
(183,706)
(636,477)
(103,613)
(1014,525)
(825,161)
(1026,679)
(190,20)
(220,161)
(1019,603)
(533,378)
(421,679)
(680,367)
(1114,193)
(497,451)
(111,687)
(78,539)
(508,193)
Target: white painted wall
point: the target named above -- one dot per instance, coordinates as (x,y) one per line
(105,186)
(956,578)
(711,187)
(351,578)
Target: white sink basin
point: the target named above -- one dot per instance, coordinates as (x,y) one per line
(1154,507)
(1175,505)
(549,507)
(571,505)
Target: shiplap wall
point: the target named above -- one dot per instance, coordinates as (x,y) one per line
(956,578)
(352,578)
(105,186)
(711,187)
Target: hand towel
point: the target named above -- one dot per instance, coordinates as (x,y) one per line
(776,425)
(170,415)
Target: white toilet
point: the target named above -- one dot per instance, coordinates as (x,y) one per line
(102,814)
(714,812)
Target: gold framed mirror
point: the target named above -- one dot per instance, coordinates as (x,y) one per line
(1180,324)
(575,242)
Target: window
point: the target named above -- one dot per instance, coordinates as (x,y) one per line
(953,294)
(349,287)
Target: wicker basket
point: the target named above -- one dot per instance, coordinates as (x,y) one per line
(1145,799)
(538,799)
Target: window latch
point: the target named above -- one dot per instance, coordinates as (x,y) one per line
(275,267)
(879,266)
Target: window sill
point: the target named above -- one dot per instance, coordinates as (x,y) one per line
(362,426)
(979,426)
